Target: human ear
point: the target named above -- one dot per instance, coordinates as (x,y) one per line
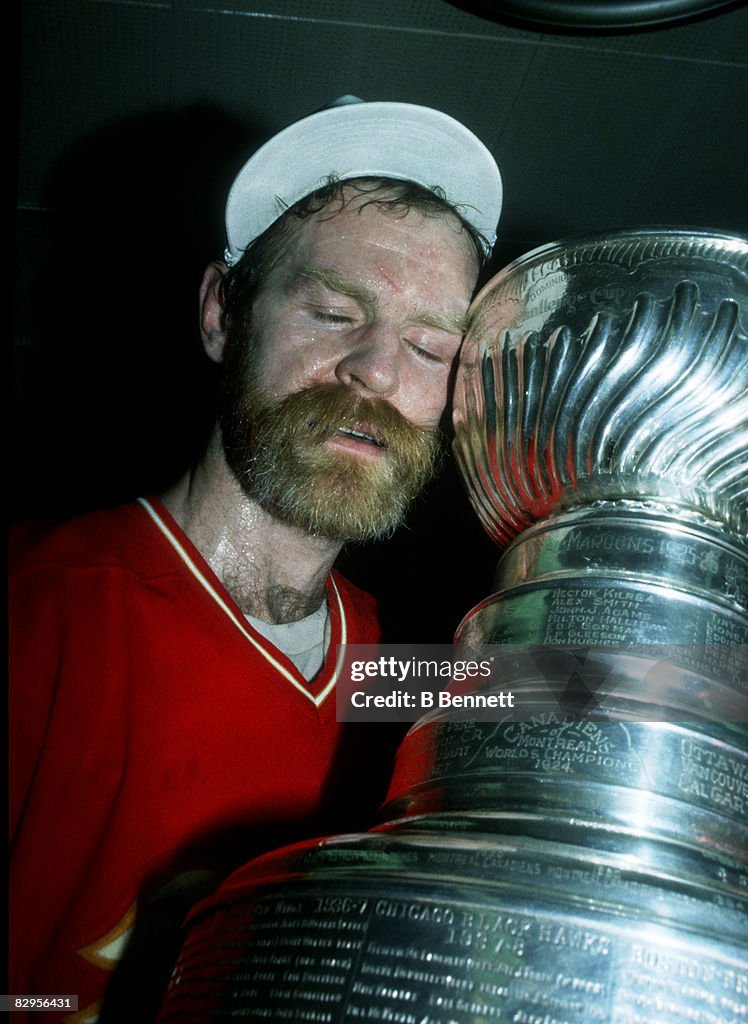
(211,311)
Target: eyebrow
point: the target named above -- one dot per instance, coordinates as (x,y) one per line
(338,283)
(452,323)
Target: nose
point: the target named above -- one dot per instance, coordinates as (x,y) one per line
(371,363)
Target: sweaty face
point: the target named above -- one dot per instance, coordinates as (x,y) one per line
(331,409)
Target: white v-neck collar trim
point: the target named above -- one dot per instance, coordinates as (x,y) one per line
(266,652)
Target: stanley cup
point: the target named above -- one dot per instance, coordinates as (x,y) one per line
(586,860)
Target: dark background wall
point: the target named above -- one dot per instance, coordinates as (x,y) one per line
(134,116)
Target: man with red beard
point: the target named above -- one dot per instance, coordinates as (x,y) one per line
(175,660)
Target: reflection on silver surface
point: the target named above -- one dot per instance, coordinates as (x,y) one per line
(574,867)
(611,367)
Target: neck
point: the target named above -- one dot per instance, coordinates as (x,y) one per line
(273,571)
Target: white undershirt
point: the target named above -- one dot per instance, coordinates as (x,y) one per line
(304,642)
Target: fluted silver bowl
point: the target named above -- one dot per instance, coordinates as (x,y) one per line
(611,366)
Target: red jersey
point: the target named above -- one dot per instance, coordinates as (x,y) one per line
(149,724)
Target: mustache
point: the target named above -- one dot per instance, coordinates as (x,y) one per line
(320,411)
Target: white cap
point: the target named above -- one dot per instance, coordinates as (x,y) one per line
(354,139)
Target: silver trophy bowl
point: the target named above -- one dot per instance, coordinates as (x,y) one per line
(587,859)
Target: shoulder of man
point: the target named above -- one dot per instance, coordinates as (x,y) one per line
(106,536)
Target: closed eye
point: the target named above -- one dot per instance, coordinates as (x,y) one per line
(328,317)
(426,354)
